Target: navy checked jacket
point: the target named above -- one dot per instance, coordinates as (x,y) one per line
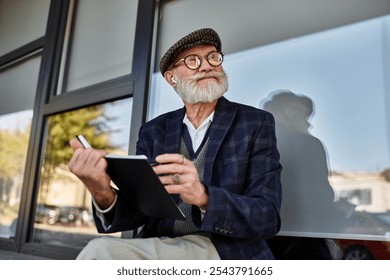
(242,175)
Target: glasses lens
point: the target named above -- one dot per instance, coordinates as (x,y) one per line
(215,58)
(192,62)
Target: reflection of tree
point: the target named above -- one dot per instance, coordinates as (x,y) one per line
(61,128)
(13,152)
(13,149)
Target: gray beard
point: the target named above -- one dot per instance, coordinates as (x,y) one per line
(191,93)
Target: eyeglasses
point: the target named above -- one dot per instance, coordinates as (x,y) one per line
(194,61)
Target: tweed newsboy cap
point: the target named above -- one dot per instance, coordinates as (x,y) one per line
(204,36)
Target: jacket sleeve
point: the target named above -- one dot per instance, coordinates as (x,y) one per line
(124,216)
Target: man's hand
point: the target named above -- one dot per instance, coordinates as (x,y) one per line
(89,165)
(180,176)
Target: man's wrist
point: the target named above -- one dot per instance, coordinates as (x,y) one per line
(107,204)
(204,200)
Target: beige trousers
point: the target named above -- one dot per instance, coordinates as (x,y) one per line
(189,247)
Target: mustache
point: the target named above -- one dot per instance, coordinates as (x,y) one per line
(204,75)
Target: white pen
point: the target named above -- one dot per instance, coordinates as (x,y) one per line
(83,141)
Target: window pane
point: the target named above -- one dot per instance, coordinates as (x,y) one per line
(263,21)
(14,137)
(21,22)
(18,85)
(17,93)
(102,43)
(327,92)
(63,214)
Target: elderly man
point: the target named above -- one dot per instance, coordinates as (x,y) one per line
(217,158)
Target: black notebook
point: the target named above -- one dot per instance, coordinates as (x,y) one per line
(134,176)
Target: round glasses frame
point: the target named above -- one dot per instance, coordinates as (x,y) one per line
(193,61)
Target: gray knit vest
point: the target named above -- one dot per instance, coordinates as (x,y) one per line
(188,226)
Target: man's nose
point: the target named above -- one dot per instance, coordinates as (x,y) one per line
(205,66)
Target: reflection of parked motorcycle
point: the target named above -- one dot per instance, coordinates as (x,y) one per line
(50,214)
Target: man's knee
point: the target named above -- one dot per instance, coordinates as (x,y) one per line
(97,248)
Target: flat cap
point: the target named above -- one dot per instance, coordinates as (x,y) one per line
(204,36)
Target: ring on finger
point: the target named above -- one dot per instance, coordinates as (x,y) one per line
(176,178)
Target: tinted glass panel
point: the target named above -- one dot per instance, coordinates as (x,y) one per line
(14,137)
(329,93)
(63,214)
(21,22)
(101,43)
(17,93)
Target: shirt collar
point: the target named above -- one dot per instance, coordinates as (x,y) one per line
(208,120)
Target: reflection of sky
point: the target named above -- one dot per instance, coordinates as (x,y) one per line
(341,70)
(118,126)
(16,121)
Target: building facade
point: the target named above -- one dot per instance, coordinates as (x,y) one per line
(90,67)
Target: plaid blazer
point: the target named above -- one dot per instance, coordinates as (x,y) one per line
(242,175)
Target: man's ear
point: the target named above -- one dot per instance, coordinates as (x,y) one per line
(168,75)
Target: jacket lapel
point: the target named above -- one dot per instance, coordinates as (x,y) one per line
(223,118)
(174,125)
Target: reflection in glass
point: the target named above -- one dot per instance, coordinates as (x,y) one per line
(21,22)
(14,137)
(354,160)
(63,213)
(336,162)
(17,95)
(101,44)
(308,198)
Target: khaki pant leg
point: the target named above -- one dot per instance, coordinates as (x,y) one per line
(188,247)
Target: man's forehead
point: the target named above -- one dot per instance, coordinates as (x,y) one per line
(196,50)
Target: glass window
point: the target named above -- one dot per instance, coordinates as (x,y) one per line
(14,137)
(63,213)
(329,93)
(21,22)
(17,93)
(321,89)
(261,21)
(102,42)
(18,85)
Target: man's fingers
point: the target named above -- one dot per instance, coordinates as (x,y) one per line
(87,160)
(174,189)
(170,158)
